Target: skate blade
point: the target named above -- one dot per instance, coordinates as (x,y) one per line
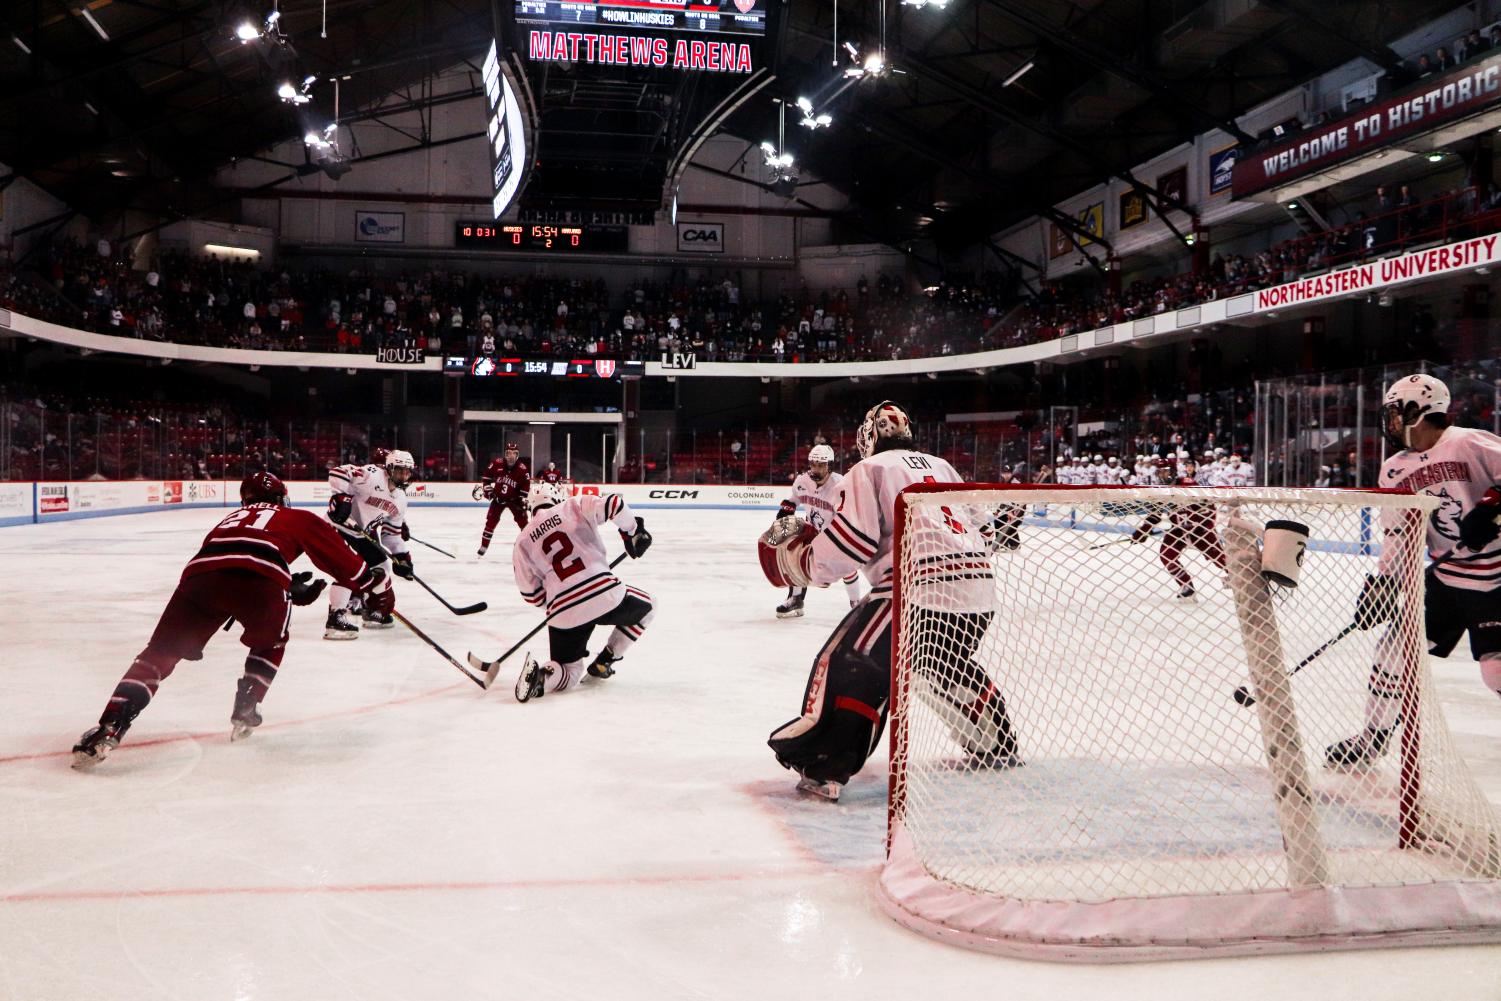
(83,761)
(379,625)
(796,613)
(339,634)
(239,731)
(823,790)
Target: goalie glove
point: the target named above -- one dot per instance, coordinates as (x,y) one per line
(637,542)
(1377,602)
(785,554)
(1478,528)
(305,590)
(788,508)
(340,507)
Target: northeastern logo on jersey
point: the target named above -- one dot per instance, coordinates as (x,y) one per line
(1437,472)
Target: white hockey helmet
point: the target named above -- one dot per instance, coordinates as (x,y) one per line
(1099,458)
(885,420)
(821,453)
(397,459)
(542,494)
(1409,400)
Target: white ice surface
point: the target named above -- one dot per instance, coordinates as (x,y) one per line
(391,832)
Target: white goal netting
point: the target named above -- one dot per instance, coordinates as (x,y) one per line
(1110,797)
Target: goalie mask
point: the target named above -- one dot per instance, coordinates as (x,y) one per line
(883,421)
(542,495)
(820,463)
(1410,399)
(400,467)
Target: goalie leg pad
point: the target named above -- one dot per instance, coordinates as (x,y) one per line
(845,702)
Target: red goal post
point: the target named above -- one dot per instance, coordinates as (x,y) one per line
(1154,816)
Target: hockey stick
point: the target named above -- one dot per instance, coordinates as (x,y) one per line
(1243,693)
(491,666)
(1117,542)
(433,547)
(484,682)
(478,606)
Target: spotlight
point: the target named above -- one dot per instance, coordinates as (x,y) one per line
(294,95)
(874,64)
(247,32)
(805,106)
(1435,156)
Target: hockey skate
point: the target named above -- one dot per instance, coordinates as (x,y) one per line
(1188,593)
(996,748)
(481,551)
(823,788)
(532,684)
(94,746)
(246,715)
(338,626)
(601,668)
(1361,749)
(792,608)
(377,620)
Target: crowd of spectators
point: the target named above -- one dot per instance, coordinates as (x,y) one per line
(236,304)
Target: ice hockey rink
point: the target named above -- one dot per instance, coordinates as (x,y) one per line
(393,832)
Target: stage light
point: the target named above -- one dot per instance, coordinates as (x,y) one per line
(874,64)
(247,32)
(805,106)
(294,95)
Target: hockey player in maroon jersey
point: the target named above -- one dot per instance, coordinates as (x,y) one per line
(506,484)
(240,574)
(1189,525)
(552,475)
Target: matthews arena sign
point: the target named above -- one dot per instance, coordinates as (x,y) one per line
(1421,108)
(1479,252)
(639,50)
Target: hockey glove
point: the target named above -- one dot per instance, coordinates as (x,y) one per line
(406,533)
(1478,528)
(787,508)
(1377,602)
(304,589)
(340,507)
(401,565)
(637,542)
(1142,533)
(783,549)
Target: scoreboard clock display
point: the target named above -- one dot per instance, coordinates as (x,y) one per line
(543,238)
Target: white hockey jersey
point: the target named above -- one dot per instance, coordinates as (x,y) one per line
(1236,475)
(949,552)
(560,560)
(379,508)
(819,500)
(1464,464)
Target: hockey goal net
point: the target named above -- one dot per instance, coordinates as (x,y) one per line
(1147,812)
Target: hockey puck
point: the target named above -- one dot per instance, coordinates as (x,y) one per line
(1243,696)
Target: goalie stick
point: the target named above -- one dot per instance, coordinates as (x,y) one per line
(492,666)
(484,682)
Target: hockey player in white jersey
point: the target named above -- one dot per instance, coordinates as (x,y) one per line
(845,701)
(1115,474)
(1236,473)
(815,491)
(561,565)
(1462,590)
(368,506)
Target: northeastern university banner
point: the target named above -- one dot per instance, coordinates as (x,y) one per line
(1479,252)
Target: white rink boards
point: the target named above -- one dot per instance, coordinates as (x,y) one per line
(391,832)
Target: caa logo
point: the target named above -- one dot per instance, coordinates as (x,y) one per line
(672,494)
(701,236)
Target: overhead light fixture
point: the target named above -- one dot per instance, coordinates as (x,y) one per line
(20,44)
(328,140)
(874,64)
(1190,239)
(296,95)
(247,32)
(83,12)
(543,423)
(1292,206)
(91,109)
(1435,156)
(1019,72)
(920,4)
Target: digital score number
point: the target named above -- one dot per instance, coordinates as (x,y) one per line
(541,237)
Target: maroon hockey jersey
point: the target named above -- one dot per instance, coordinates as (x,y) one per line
(507,484)
(266,539)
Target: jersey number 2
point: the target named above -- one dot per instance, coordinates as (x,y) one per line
(561,564)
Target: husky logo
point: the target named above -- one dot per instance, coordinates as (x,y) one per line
(1445,518)
(604,369)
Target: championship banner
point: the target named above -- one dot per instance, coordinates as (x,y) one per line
(1222,168)
(1133,209)
(1419,108)
(1173,186)
(1093,221)
(1479,252)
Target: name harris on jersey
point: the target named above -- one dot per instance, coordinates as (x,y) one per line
(551,522)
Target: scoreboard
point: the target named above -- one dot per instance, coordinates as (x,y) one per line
(486,366)
(738,17)
(506,130)
(541,238)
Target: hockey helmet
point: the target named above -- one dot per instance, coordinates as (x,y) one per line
(511,446)
(543,494)
(1098,458)
(884,421)
(263,488)
(399,459)
(1408,401)
(820,456)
